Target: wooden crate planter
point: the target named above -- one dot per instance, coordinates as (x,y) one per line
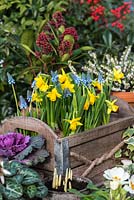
(90,144)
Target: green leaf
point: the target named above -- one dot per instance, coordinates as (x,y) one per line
(50,6)
(70,38)
(37,141)
(130,141)
(13,190)
(31,191)
(118,154)
(3,7)
(27,49)
(107,37)
(30,176)
(130,147)
(39,156)
(61,29)
(91,186)
(1,198)
(78,193)
(42,190)
(130,38)
(87,48)
(129,132)
(65,57)
(27,38)
(24,153)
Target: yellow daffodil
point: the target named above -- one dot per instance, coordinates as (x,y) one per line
(92,98)
(97,85)
(53,95)
(86,105)
(63,77)
(36,97)
(41,84)
(68,85)
(118,75)
(111,106)
(74,123)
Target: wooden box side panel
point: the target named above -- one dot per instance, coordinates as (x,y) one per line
(96,175)
(95,148)
(100,131)
(32,124)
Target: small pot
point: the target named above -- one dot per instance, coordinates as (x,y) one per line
(78,183)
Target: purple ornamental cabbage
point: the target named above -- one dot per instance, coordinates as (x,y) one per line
(12,143)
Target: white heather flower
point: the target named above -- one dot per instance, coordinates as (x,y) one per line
(116,174)
(130,188)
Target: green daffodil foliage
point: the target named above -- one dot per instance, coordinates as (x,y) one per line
(69,102)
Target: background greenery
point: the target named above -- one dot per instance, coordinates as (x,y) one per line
(22,20)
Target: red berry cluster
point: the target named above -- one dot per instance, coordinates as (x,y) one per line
(43,42)
(97,12)
(47,39)
(56,21)
(120,15)
(71,31)
(93,1)
(114,17)
(65,47)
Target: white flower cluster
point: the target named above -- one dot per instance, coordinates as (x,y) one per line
(105,67)
(118,176)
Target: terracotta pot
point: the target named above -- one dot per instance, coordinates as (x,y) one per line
(126,96)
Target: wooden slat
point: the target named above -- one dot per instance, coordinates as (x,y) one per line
(96,148)
(96,175)
(100,131)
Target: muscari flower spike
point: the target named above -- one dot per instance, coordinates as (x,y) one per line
(23,103)
(33,84)
(76,79)
(54,76)
(29,95)
(100,78)
(67,93)
(86,79)
(10,79)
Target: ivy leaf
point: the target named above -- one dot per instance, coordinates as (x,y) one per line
(130,141)
(128,133)
(130,147)
(118,154)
